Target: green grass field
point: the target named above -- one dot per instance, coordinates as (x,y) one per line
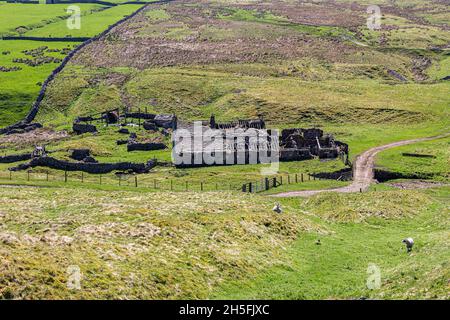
(91,24)
(191,233)
(19,88)
(221,245)
(20,19)
(361,230)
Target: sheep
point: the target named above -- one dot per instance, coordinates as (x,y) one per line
(409,244)
(277,208)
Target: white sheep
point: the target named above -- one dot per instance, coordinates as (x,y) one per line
(277,208)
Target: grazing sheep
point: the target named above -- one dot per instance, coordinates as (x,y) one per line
(277,208)
(409,243)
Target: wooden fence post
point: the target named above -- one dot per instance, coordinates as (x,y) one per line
(135,181)
(65,175)
(302,177)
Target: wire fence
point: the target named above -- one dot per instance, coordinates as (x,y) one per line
(115,180)
(274,182)
(126,181)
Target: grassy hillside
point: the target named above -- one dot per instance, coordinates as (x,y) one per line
(91,24)
(190,233)
(20,85)
(362,230)
(19,18)
(20,82)
(221,245)
(135,245)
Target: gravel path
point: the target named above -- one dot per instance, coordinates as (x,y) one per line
(363,175)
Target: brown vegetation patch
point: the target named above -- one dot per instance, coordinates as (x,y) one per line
(32,138)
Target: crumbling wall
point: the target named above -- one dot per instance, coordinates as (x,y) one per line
(15,158)
(80,128)
(146,146)
(95,168)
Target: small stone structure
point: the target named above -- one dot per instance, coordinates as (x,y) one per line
(245,124)
(80,154)
(145,146)
(80,128)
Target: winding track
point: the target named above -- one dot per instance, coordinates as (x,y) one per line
(363,174)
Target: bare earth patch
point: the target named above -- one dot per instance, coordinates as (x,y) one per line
(417,184)
(35,137)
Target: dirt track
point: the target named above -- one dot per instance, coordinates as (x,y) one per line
(363,170)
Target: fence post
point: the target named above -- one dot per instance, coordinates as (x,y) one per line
(171,185)
(314,176)
(274,182)
(289,179)
(266,180)
(139,117)
(244,187)
(120,180)
(186,186)
(281,180)
(82,176)
(302,177)
(201,186)
(250,187)
(10,175)
(100,179)
(217,186)
(28,175)
(47,176)
(296,178)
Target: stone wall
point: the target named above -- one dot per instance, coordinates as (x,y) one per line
(95,168)
(145,146)
(15,158)
(35,108)
(80,128)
